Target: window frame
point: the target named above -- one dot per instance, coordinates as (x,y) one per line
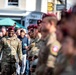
(13,3)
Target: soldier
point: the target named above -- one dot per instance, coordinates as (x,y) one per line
(59,33)
(68,19)
(34,50)
(49,22)
(36,39)
(11,47)
(65,61)
(39,25)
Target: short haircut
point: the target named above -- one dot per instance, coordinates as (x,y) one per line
(65,16)
(22,31)
(51,17)
(54,19)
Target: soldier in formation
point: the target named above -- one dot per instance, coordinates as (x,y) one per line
(46,61)
(65,62)
(34,48)
(11,48)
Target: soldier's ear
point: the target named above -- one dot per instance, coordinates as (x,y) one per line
(52,23)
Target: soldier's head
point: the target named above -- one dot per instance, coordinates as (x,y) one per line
(68,46)
(59,33)
(29,28)
(69,24)
(35,31)
(39,25)
(49,22)
(11,31)
(30,31)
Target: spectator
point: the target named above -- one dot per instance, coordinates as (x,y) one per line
(25,43)
(3,29)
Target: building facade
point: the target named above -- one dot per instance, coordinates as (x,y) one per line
(27,12)
(24,12)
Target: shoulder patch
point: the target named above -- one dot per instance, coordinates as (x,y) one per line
(55,47)
(54,50)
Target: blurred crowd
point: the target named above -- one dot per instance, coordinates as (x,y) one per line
(47,48)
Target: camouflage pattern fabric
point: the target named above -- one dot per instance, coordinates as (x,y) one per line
(47,55)
(34,47)
(11,47)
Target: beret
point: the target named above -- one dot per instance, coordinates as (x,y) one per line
(35,27)
(49,15)
(11,28)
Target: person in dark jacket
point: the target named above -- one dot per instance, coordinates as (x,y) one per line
(25,43)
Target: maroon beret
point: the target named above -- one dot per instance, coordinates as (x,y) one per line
(32,26)
(35,27)
(11,28)
(28,27)
(49,15)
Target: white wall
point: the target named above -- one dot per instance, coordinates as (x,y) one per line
(22,4)
(70,3)
(44,6)
(30,5)
(2,4)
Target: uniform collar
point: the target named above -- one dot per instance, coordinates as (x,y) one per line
(53,35)
(12,38)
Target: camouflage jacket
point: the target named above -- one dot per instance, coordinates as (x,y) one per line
(53,49)
(11,48)
(34,47)
(65,65)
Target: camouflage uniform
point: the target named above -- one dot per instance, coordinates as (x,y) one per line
(11,47)
(74,65)
(34,47)
(47,57)
(65,66)
(65,62)
(34,52)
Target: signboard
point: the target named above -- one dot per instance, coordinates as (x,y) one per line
(60,7)
(50,6)
(35,16)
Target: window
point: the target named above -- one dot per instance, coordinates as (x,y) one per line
(32,21)
(23,23)
(13,2)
